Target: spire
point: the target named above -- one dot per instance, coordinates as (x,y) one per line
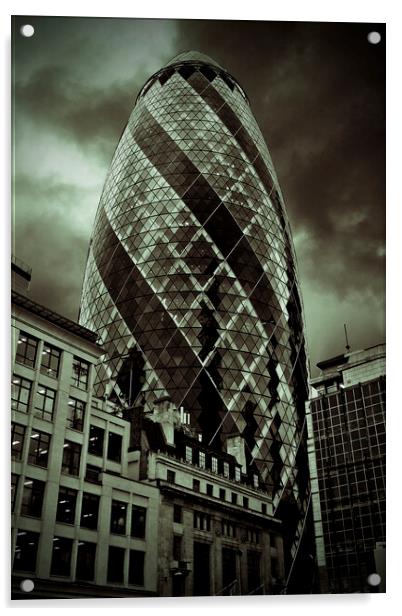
(193,56)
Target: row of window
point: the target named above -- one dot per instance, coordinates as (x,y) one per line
(44,403)
(211,462)
(32,504)
(39,445)
(171,478)
(26,551)
(27,351)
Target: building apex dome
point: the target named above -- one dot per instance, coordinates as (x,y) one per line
(193,56)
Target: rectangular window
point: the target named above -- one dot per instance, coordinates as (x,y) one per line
(115,565)
(66,504)
(229,529)
(196,485)
(118,517)
(20,393)
(17,441)
(92,473)
(90,510)
(114,446)
(136,568)
(138,521)
(255,481)
(214,464)
(14,487)
(71,458)
(86,561)
(201,460)
(61,556)
(253,536)
(189,454)
(75,414)
(237,473)
(210,489)
(27,347)
(96,439)
(177,514)
(39,444)
(177,540)
(226,469)
(253,572)
(245,502)
(80,373)
(171,477)
(234,498)
(44,402)
(26,551)
(201,521)
(50,363)
(32,498)
(222,494)
(263,508)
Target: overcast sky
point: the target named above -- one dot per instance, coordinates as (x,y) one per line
(318,94)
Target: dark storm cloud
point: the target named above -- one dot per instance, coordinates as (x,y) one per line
(82,113)
(56,249)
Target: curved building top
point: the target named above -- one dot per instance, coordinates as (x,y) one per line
(182,63)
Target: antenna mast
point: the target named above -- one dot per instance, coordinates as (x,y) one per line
(347,346)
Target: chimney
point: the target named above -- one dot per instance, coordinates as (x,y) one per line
(167,416)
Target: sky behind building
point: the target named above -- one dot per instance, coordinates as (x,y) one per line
(318,94)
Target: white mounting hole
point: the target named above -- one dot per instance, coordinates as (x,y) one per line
(27,30)
(374,37)
(27,585)
(374,579)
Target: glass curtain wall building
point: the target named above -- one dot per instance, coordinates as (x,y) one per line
(191,281)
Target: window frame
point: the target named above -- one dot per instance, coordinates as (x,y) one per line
(29,343)
(21,406)
(50,352)
(41,410)
(40,438)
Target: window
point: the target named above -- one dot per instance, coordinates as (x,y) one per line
(75,414)
(27,347)
(118,517)
(136,568)
(86,561)
(44,402)
(234,498)
(66,503)
(115,565)
(253,572)
(14,486)
(61,556)
(263,508)
(90,510)
(92,474)
(95,443)
(114,446)
(255,481)
(196,485)
(80,373)
(171,477)
(189,454)
(245,502)
(222,494)
(71,458)
(210,489)
(177,540)
(229,529)
(214,464)
(253,536)
(138,521)
(201,459)
(237,473)
(50,361)
(17,441)
(32,497)
(177,514)
(226,469)
(20,393)
(39,444)
(26,550)
(201,521)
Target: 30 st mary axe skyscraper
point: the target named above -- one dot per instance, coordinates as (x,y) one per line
(191,278)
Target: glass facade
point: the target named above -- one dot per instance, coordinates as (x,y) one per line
(191,281)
